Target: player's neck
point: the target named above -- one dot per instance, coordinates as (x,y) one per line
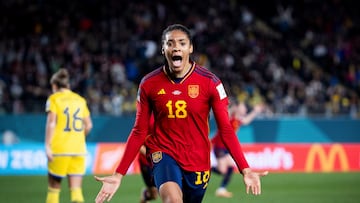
(181,74)
(62,89)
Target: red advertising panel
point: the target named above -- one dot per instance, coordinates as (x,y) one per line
(274,157)
(107,157)
(304,157)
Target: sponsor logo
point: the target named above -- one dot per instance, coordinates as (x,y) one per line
(162,91)
(176,92)
(326,160)
(193,91)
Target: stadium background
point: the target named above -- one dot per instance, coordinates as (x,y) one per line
(299,57)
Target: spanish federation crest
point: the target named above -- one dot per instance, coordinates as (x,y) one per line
(193,91)
(156,157)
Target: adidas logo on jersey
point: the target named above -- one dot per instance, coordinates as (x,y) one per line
(162,91)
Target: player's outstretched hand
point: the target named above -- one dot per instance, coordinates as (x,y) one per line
(110,184)
(252,180)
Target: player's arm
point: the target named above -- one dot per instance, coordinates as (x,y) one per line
(138,133)
(251,178)
(49,132)
(219,106)
(88,125)
(252,115)
(227,134)
(149,133)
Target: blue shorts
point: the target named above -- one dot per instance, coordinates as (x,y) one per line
(192,184)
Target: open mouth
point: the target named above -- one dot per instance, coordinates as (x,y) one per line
(176,58)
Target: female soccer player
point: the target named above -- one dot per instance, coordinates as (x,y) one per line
(68,122)
(180,94)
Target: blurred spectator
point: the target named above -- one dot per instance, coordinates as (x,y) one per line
(9,138)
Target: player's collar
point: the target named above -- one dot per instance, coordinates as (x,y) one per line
(179,80)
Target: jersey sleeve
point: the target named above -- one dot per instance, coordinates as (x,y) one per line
(138,133)
(226,131)
(50,105)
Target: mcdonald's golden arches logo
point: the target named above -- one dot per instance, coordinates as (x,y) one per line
(326,161)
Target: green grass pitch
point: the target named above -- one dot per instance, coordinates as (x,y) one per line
(276,188)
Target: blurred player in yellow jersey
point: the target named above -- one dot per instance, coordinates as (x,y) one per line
(68,122)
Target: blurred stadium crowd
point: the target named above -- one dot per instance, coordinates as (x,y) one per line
(299,57)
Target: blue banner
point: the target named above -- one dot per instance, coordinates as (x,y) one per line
(30,159)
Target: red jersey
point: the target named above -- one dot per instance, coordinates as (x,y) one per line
(181,112)
(216,140)
(143,158)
